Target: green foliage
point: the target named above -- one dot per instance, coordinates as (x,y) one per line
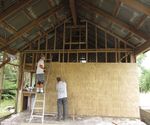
(145,81)
(10,72)
(10,82)
(3,106)
(9,94)
(145,75)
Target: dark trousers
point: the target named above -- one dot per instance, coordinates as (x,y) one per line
(62,108)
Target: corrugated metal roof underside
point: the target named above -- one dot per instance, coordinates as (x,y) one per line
(4,33)
(4,4)
(125,14)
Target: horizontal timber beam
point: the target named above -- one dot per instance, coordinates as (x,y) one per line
(78,50)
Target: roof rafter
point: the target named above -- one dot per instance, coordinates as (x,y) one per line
(96,10)
(72,5)
(117,8)
(11,29)
(141,22)
(144,47)
(13,9)
(137,6)
(32,18)
(34,23)
(46,33)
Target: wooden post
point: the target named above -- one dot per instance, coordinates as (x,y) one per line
(20,82)
(133,58)
(1,77)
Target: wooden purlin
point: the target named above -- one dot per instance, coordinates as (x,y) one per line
(46,32)
(98,11)
(14,8)
(34,23)
(137,6)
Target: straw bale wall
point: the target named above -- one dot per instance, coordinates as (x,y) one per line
(96,89)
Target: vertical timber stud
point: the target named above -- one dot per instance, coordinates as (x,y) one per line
(46,39)
(55,39)
(119,51)
(106,47)
(64,40)
(126,54)
(116,53)
(96,41)
(80,38)
(32,61)
(86,40)
(39,43)
(70,38)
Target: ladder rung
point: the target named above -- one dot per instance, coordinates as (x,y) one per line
(39,116)
(39,100)
(38,108)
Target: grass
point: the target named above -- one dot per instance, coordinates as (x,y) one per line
(3,105)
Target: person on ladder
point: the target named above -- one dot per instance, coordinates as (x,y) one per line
(40,75)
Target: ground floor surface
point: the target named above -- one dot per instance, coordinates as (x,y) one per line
(23,118)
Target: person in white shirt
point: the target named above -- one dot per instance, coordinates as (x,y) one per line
(40,74)
(61,88)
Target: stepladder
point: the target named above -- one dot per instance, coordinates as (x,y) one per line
(38,108)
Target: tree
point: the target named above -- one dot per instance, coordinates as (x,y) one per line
(145,75)
(145,81)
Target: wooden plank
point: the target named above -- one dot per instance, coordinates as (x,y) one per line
(137,6)
(72,4)
(98,11)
